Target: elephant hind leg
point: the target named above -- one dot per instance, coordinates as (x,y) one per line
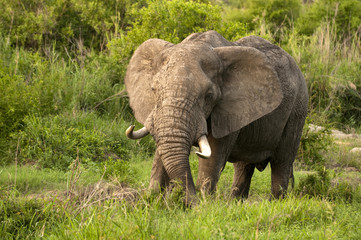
(243,173)
(280,178)
(284,156)
(292,178)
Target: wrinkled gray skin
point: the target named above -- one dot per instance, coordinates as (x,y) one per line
(249,97)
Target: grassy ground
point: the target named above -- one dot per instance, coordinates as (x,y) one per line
(80,204)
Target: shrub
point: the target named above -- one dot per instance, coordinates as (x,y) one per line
(348,112)
(321,184)
(316,184)
(119,170)
(96,84)
(331,69)
(42,85)
(172,21)
(55,141)
(21,218)
(313,144)
(346,14)
(275,13)
(72,24)
(27,87)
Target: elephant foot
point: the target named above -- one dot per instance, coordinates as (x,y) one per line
(243,173)
(206,186)
(177,191)
(239,193)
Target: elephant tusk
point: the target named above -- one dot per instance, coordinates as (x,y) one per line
(137,134)
(205,149)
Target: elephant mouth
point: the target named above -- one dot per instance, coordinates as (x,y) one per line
(204,148)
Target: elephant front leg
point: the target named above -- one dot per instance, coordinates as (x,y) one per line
(243,173)
(209,170)
(159,178)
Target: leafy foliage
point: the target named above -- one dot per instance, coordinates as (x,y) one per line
(172,21)
(314,142)
(71,24)
(120,170)
(349,100)
(27,89)
(21,218)
(346,14)
(56,141)
(275,13)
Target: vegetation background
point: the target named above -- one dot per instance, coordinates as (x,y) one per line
(68,171)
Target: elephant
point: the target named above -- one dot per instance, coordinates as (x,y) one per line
(244,102)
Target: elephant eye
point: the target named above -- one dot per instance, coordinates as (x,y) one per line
(209,96)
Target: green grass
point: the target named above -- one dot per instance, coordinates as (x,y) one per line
(292,218)
(29,180)
(42,203)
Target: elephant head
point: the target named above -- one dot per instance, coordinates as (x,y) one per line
(204,85)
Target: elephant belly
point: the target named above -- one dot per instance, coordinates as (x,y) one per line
(257,142)
(250,156)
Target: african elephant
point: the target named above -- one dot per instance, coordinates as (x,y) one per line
(244,102)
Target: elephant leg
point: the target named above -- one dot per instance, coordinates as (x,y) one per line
(159,178)
(280,177)
(292,178)
(209,170)
(284,156)
(243,173)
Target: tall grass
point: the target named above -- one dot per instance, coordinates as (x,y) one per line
(331,66)
(95,209)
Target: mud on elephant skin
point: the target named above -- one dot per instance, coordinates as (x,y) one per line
(244,102)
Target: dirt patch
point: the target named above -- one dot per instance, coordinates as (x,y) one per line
(92,194)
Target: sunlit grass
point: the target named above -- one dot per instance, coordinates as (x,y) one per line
(99,209)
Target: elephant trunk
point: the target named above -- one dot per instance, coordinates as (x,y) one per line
(174,138)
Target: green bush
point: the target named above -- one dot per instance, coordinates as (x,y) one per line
(331,67)
(96,84)
(56,141)
(21,218)
(42,85)
(348,112)
(313,144)
(275,13)
(316,184)
(27,87)
(346,14)
(172,20)
(119,170)
(72,24)
(320,184)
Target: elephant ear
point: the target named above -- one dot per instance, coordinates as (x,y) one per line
(251,89)
(138,79)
